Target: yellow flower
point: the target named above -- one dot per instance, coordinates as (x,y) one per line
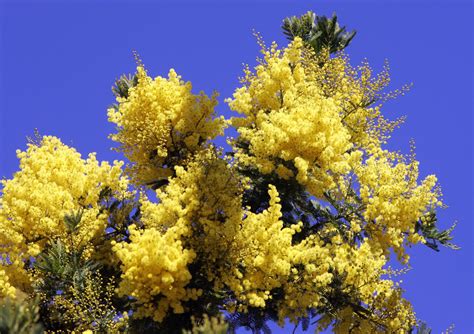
(155,264)
(53,181)
(161,123)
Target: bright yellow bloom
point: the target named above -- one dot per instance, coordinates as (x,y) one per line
(309,130)
(161,123)
(155,264)
(53,181)
(259,255)
(291,127)
(6,289)
(393,199)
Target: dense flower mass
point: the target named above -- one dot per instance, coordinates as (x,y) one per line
(6,289)
(155,265)
(394,200)
(161,122)
(54,181)
(258,254)
(296,223)
(313,124)
(291,127)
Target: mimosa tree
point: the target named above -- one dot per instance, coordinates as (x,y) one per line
(295,223)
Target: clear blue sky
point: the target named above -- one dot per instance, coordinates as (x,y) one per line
(58,62)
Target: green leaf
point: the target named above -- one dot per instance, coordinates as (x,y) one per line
(123,85)
(320,32)
(61,268)
(433,235)
(73,220)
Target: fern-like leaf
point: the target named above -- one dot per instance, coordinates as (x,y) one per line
(320,32)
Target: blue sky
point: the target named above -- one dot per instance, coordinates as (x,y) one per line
(58,61)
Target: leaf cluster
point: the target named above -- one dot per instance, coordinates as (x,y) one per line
(320,32)
(433,235)
(61,268)
(123,84)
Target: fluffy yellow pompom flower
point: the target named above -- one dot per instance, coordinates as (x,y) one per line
(203,202)
(309,116)
(260,255)
(394,200)
(53,181)
(154,268)
(6,289)
(161,123)
(290,127)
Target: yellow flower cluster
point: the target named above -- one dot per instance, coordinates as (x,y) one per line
(160,123)
(306,118)
(357,95)
(203,201)
(304,273)
(316,264)
(15,279)
(259,255)
(312,118)
(155,272)
(251,254)
(393,314)
(362,272)
(54,181)
(309,116)
(198,214)
(6,289)
(90,305)
(394,201)
(291,127)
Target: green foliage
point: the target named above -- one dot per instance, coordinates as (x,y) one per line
(19,317)
(73,220)
(433,235)
(123,84)
(62,268)
(421,328)
(72,291)
(320,32)
(302,26)
(122,213)
(254,320)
